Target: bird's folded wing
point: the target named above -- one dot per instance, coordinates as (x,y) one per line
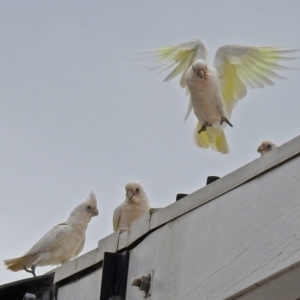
(116,217)
(79,249)
(51,239)
(241,67)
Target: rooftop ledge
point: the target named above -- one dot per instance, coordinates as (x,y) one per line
(148,223)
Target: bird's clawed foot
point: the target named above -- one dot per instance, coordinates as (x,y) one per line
(32,271)
(152,210)
(224,119)
(204,126)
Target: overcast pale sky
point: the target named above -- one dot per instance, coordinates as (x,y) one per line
(77,116)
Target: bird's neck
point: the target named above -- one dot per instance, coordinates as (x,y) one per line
(79,223)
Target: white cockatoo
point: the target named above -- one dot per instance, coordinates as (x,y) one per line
(214,91)
(266,147)
(135,205)
(62,243)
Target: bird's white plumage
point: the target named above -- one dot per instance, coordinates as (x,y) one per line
(135,205)
(62,243)
(207,103)
(206,96)
(236,68)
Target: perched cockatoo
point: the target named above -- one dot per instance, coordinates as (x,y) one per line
(62,243)
(135,204)
(266,147)
(214,91)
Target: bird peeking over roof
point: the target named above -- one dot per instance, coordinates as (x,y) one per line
(266,147)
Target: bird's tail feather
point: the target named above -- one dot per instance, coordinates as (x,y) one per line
(213,138)
(18,263)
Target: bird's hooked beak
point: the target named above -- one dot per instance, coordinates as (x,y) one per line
(260,149)
(95,212)
(201,74)
(129,194)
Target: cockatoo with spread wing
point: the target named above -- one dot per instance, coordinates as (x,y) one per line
(214,91)
(136,204)
(266,147)
(62,243)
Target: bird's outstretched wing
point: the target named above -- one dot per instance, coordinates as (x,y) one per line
(181,56)
(242,67)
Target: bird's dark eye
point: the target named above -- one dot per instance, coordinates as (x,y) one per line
(137,191)
(269,147)
(88,207)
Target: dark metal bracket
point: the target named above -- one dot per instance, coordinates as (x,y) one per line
(114,276)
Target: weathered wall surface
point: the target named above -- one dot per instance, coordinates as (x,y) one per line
(215,244)
(87,287)
(226,244)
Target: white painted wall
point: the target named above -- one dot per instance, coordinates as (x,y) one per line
(227,244)
(216,243)
(87,288)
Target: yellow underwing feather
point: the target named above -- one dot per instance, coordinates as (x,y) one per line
(183,65)
(181,56)
(232,87)
(241,67)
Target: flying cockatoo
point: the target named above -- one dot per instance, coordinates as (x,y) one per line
(214,91)
(266,147)
(135,205)
(62,243)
